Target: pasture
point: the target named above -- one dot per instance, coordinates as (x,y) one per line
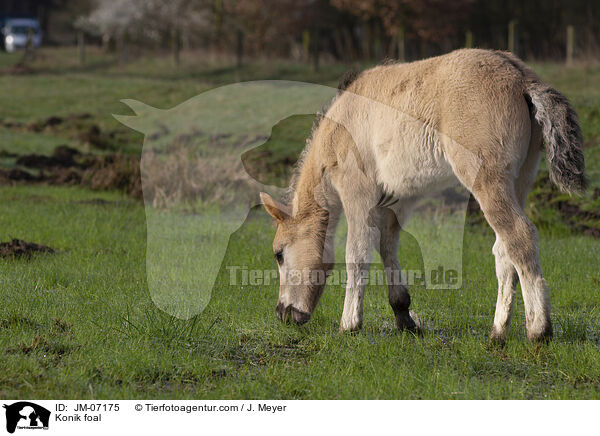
(80,323)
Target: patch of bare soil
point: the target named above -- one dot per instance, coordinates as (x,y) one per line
(19,248)
(571,211)
(50,122)
(68,166)
(74,126)
(62,156)
(12,176)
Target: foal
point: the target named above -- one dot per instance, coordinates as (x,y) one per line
(400,132)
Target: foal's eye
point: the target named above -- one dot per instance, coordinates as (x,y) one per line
(279,257)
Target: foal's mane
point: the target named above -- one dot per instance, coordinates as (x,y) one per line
(347,79)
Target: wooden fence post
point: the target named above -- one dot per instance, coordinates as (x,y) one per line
(513,46)
(570,44)
(306,45)
(401,44)
(469,39)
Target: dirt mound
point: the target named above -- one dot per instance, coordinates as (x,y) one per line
(8,177)
(63,157)
(576,218)
(68,166)
(75,126)
(52,121)
(19,248)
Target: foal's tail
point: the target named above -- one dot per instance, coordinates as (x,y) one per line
(562,135)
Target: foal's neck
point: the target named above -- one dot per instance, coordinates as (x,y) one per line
(314,195)
(309,191)
(317,204)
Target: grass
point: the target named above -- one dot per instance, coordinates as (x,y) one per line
(81,323)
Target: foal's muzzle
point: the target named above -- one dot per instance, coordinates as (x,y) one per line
(298,316)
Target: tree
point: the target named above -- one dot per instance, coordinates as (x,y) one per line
(429,20)
(146,21)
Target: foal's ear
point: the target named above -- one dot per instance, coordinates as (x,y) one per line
(274,208)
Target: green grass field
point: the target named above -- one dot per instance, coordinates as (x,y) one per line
(81,323)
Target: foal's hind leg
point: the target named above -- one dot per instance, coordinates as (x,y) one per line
(505,270)
(398,295)
(507,284)
(518,236)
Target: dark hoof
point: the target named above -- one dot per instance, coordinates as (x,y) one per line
(408,321)
(497,339)
(542,337)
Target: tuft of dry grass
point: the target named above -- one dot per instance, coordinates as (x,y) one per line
(115,171)
(182,176)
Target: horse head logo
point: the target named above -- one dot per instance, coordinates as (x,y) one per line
(26,414)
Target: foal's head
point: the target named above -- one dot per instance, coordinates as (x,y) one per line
(298,247)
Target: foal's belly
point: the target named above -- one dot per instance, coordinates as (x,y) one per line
(413,167)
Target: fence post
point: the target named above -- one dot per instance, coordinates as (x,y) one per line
(570,44)
(469,39)
(306,45)
(401,45)
(513,37)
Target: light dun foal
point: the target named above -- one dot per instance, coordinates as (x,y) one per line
(403,131)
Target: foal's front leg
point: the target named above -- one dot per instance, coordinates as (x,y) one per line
(359,250)
(398,296)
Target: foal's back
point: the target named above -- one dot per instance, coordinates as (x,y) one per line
(475,97)
(447,116)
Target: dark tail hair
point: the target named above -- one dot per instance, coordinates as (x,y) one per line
(562,135)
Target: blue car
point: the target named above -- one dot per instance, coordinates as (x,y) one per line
(15,33)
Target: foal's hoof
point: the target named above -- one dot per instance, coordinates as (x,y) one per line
(497,339)
(350,327)
(408,321)
(351,332)
(540,337)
